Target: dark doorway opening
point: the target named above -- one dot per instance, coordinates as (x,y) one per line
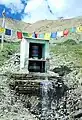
(35,50)
(37,66)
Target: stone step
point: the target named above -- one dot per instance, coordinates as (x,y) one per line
(25,86)
(28,90)
(32,76)
(28,81)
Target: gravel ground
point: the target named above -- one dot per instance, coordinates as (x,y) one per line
(13,107)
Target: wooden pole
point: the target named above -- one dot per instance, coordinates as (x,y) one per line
(3,26)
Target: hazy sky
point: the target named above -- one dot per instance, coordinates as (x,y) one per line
(34,10)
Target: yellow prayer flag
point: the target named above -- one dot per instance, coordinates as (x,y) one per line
(47,36)
(79,29)
(2,30)
(30,35)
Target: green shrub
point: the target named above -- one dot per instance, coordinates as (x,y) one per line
(70,42)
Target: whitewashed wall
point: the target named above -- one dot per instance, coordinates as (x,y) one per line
(24,53)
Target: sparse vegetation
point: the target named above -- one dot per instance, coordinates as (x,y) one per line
(8,50)
(69,51)
(61,96)
(69,42)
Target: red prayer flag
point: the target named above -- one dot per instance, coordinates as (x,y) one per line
(19,35)
(66,32)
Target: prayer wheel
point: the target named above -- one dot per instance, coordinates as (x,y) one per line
(35,51)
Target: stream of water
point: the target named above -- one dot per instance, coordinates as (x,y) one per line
(46,94)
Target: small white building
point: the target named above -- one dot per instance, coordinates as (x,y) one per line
(34,55)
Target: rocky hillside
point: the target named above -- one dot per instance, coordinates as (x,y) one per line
(63,98)
(14,24)
(54,25)
(43,25)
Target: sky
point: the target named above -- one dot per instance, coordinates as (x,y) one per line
(31,11)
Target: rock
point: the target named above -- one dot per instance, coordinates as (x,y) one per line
(79,77)
(62,70)
(27,104)
(51,73)
(78,114)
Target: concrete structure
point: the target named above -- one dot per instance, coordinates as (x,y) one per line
(37,63)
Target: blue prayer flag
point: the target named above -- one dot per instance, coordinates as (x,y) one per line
(7,32)
(54,35)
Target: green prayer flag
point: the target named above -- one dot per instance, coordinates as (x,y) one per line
(25,34)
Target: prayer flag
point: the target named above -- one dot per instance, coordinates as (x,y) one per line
(3,12)
(49,7)
(25,34)
(30,35)
(19,35)
(60,34)
(7,32)
(2,30)
(65,32)
(73,29)
(41,35)
(47,36)
(14,32)
(79,29)
(54,35)
(35,35)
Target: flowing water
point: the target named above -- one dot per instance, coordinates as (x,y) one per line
(46,99)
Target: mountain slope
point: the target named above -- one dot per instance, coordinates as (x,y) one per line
(15,24)
(54,25)
(43,26)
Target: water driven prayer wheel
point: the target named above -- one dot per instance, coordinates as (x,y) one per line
(34,54)
(35,51)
